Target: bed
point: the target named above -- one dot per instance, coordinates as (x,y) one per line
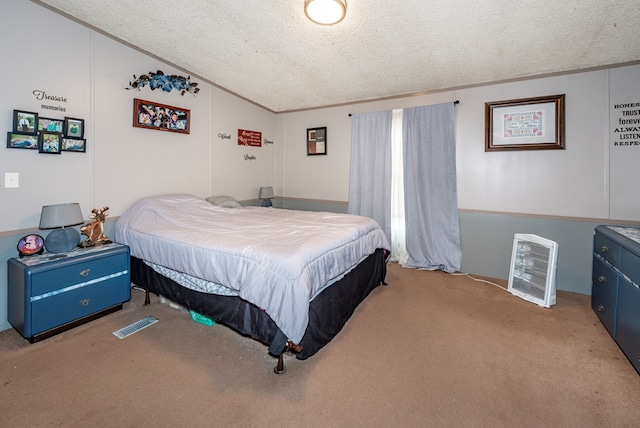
(290,279)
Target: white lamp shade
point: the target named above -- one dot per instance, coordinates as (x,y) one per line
(60,215)
(325,12)
(266,193)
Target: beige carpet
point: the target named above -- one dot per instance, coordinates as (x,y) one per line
(428,350)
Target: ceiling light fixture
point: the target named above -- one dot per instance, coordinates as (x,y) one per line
(325,12)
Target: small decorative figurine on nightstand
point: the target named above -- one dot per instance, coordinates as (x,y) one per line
(95,231)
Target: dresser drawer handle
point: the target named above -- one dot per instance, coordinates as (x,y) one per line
(602,279)
(84,302)
(600,308)
(604,249)
(85,272)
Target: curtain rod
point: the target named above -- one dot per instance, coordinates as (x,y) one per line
(456,102)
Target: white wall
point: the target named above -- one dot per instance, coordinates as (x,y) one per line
(327,177)
(550,182)
(42,52)
(558,194)
(572,182)
(624,143)
(231,173)
(133,162)
(122,163)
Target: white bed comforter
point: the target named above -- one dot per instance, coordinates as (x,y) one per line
(276,259)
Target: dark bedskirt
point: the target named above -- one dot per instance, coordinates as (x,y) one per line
(328,312)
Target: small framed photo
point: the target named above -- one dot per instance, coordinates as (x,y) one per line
(74,145)
(152,115)
(51,125)
(18,140)
(525,124)
(25,122)
(30,244)
(316,141)
(50,142)
(73,128)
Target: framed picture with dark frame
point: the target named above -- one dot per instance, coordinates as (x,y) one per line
(25,122)
(162,117)
(73,128)
(525,124)
(30,244)
(50,142)
(51,125)
(74,145)
(18,140)
(317,141)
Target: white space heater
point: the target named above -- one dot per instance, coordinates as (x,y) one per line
(533,269)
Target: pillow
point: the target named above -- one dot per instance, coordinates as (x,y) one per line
(224,201)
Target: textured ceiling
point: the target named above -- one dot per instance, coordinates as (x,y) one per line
(267,52)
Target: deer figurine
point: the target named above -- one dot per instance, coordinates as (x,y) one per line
(95,231)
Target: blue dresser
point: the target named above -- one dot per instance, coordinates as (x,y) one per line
(615,294)
(50,293)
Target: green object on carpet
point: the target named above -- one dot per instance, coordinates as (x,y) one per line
(201,318)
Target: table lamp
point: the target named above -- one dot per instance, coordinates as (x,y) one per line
(59,217)
(266,194)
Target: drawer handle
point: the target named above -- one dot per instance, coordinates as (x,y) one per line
(84,302)
(604,249)
(85,272)
(602,279)
(600,308)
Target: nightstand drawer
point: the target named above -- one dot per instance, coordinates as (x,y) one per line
(47,313)
(76,271)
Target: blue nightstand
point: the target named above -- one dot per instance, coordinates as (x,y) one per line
(51,293)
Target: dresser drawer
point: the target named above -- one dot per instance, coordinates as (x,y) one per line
(604,281)
(69,304)
(630,265)
(607,249)
(628,322)
(605,310)
(76,271)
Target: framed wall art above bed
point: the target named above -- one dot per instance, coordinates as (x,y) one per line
(161,117)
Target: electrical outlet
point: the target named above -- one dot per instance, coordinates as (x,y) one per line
(11,180)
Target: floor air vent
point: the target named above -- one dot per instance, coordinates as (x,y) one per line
(135,327)
(533,269)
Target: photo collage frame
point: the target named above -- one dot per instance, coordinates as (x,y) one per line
(47,135)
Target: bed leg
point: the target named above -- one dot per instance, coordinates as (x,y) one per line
(292,347)
(147,299)
(280,367)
